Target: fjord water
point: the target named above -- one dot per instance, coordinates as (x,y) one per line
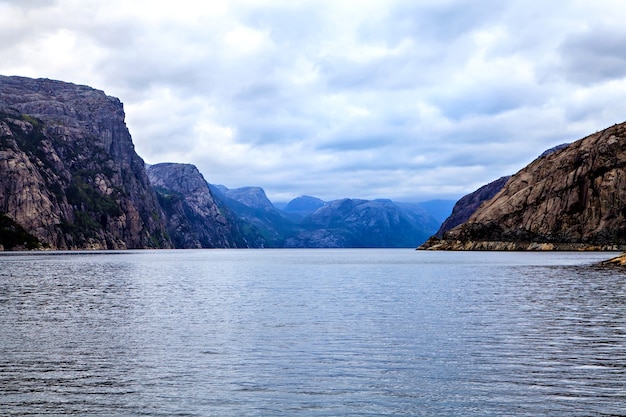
(311,333)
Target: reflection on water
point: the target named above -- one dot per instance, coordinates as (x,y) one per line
(311,332)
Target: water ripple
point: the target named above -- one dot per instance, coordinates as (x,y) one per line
(315,333)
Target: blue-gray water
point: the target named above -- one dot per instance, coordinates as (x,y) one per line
(311,333)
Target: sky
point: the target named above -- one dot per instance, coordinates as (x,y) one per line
(404,99)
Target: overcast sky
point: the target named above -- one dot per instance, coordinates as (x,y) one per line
(404,99)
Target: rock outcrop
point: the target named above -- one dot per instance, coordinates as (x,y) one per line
(69,174)
(468,204)
(194,219)
(571,199)
(619,261)
(253,197)
(254,211)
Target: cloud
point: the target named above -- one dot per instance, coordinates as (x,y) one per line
(595,56)
(401,99)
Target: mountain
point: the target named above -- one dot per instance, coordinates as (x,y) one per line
(304,204)
(364,223)
(439,209)
(253,197)
(69,174)
(468,204)
(193,218)
(253,209)
(70,179)
(572,198)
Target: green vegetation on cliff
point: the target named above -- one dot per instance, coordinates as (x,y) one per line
(13,236)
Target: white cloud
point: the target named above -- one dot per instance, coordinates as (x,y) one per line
(403,99)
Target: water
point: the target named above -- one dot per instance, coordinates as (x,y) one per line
(311,333)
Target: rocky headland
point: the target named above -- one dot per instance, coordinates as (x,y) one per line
(573,198)
(468,204)
(70,177)
(193,217)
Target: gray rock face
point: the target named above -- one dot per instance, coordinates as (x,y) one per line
(69,172)
(194,220)
(468,204)
(573,198)
(253,197)
(253,211)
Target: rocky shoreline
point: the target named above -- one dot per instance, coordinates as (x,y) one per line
(456,245)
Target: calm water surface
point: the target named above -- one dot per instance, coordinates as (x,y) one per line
(311,333)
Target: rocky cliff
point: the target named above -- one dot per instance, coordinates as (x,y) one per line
(70,176)
(253,197)
(572,198)
(194,219)
(468,204)
(254,211)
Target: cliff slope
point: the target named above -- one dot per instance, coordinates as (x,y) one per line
(253,211)
(194,219)
(69,174)
(572,198)
(468,204)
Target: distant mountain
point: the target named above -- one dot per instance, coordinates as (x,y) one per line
(310,222)
(439,209)
(193,218)
(570,199)
(364,223)
(304,204)
(252,207)
(253,197)
(300,207)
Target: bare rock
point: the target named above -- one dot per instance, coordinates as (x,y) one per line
(193,217)
(70,173)
(573,198)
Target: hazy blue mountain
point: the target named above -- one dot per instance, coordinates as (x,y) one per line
(304,204)
(364,223)
(249,196)
(193,218)
(252,207)
(439,209)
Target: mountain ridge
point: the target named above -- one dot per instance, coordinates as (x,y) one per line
(70,174)
(570,199)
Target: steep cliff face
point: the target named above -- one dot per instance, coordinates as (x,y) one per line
(253,197)
(468,204)
(69,172)
(573,198)
(194,219)
(254,212)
